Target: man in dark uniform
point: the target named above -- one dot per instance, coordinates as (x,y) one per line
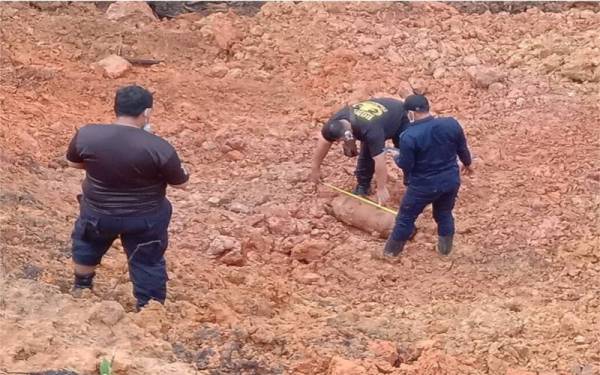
(428,151)
(372,122)
(124,195)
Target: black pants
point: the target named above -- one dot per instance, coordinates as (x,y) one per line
(145,240)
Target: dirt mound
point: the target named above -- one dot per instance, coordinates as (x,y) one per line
(262,279)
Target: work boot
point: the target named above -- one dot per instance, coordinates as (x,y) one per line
(393,248)
(445,245)
(84,281)
(362,190)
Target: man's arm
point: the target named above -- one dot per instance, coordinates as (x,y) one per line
(321,151)
(406,159)
(381,176)
(73,157)
(462,150)
(75,165)
(375,140)
(175,173)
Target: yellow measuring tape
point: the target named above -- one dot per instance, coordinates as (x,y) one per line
(364,200)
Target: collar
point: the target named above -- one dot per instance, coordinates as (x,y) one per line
(428,118)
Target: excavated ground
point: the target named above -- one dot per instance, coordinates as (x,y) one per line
(242,98)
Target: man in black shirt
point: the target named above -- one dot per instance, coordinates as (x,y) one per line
(372,122)
(124,195)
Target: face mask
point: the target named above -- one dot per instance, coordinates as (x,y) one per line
(147,126)
(349,147)
(411,116)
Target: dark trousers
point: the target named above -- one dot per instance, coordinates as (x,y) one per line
(414,202)
(365,165)
(145,240)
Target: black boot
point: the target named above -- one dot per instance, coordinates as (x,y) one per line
(393,248)
(445,245)
(362,190)
(84,281)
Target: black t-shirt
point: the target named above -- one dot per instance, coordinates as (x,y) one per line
(127,168)
(375,120)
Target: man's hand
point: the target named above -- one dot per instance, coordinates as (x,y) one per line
(467,170)
(75,165)
(383,195)
(315,176)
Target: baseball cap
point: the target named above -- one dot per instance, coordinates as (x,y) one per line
(417,103)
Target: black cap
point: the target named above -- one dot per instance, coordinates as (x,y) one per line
(333,130)
(417,103)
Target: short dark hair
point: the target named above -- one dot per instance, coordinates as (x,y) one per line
(333,130)
(132,100)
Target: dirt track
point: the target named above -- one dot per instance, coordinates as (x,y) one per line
(243,106)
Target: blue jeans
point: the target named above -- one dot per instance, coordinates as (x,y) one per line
(414,202)
(145,240)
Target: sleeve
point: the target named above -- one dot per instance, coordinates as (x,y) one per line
(173,171)
(406,159)
(404,124)
(73,154)
(462,150)
(375,139)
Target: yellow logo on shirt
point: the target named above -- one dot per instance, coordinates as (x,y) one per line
(368,110)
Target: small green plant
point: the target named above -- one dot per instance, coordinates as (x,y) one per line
(105,367)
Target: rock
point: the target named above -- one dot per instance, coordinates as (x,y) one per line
(496,87)
(470,60)
(235,257)
(310,251)
(384,350)
(235,73)
(239,208)
(48,5)
(222,314)
(209,146)
(580,340)
(340,366)
(120,10)
(362,216)
(439,73)
(279,225)
(495,365)
(107,312)
(114,66)
(484,76)
(419,85)
(218,71)
(257,30)
(552,62)
(394,57)
(214,201)
(404,89)
(570,325)
(308,278)
(582,66)
(224,30)
(222,244)
(32,272)
(235,155)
